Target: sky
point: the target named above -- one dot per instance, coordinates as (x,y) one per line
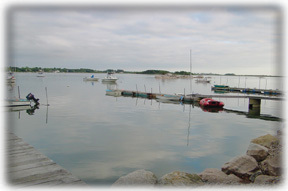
(222,39)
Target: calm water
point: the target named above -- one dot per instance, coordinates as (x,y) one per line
(100,138)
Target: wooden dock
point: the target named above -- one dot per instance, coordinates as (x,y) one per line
(245,90)
(27,167)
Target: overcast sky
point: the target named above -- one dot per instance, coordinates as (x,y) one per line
(240,40)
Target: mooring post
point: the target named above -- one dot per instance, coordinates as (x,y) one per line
(254,106)
(254,103)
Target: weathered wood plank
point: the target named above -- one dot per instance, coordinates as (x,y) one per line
(58,176)
(28,167)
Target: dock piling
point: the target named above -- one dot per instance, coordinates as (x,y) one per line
(254,103)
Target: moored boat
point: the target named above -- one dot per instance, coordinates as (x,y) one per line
(10,78)
(208,102)
(221,86)
(203,80)
(109,78)
(115,93)
(22,101)
(91,78)
(40,74)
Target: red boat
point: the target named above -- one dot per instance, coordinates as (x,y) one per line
(208,102)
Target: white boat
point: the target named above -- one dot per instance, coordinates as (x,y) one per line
(40,74)
(10,78)
(91,78)
(203,80)
(109,78)
(18,102)
(15,102)
(115,93)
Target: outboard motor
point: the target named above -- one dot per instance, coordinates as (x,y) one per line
(31,97)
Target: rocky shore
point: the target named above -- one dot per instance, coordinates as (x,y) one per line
(260,165)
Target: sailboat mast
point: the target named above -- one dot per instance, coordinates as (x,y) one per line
(190,71)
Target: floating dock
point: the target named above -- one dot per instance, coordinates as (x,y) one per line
(27,167)
(223,89)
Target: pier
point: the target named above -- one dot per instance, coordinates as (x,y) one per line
(27,167)
(223,88)
(254,100)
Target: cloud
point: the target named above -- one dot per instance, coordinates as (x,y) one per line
(139,39)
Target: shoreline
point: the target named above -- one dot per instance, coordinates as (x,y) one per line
(260,165)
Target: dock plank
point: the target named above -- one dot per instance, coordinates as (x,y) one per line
(29,167)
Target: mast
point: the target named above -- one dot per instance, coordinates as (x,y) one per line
(190,72)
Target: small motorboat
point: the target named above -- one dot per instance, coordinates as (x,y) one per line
(10,78)
(22,102)
(40,74)
(203,80)
(109,78)
(91,78)
(208,102)
(115,93)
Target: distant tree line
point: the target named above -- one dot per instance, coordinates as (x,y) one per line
(163,72)
(86,70)
(62,70)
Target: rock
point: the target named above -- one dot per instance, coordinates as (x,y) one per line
(216,176)
(267,141)
(242,166)
(272,165)
(264,179)
(177,178)
(257,151)
(137,178)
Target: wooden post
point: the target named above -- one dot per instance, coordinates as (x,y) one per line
(254,103)
(254,106)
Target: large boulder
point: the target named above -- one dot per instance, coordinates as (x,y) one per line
(242,166)
(272,165)
(257,151)
(265,179)
(216,176)
(137,178)
(177,178)
(268,141)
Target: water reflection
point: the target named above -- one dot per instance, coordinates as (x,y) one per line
(252,113)
(99,138)
(30,110)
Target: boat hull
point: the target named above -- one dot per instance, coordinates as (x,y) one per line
(90,79)
(109,80)
(18,102)
(208,102)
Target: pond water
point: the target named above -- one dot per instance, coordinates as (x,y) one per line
(100,138)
